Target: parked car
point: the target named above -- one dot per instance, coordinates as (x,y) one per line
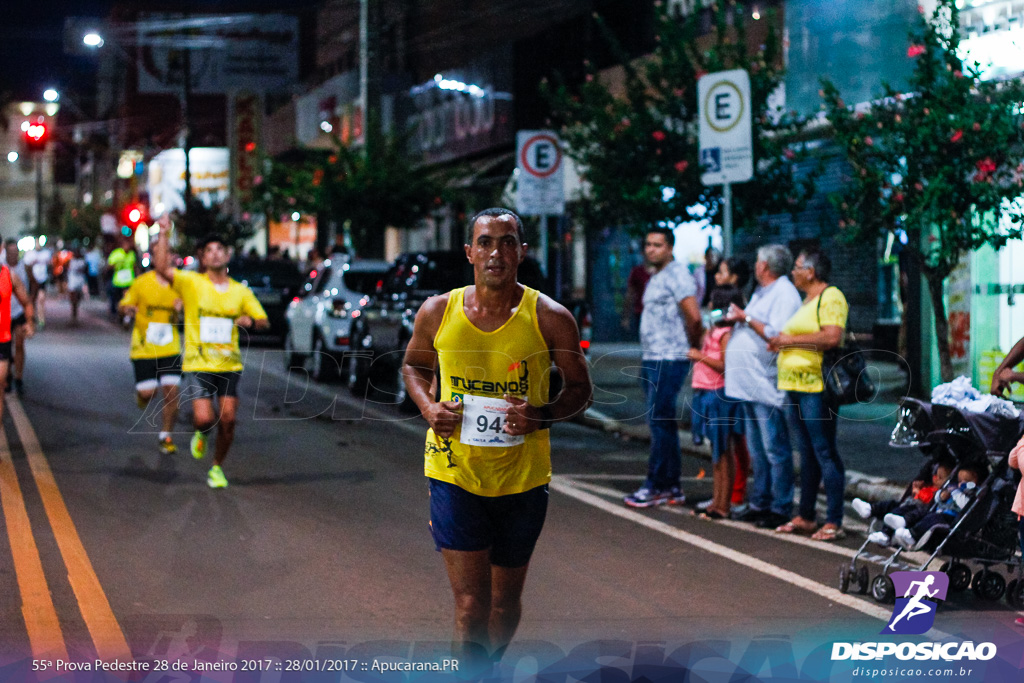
(383,329)
(320,318)
(275,284)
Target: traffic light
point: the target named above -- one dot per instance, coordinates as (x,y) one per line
(36,136)
(133,215)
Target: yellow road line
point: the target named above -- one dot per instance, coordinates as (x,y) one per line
(44,634)
(99,618)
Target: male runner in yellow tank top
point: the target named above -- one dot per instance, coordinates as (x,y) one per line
(488,453)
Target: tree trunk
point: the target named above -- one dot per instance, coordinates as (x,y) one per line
(941,323)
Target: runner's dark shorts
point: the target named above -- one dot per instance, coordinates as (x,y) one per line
(6,352)
(18,320)
(214,384)
(508,526)
(155,369)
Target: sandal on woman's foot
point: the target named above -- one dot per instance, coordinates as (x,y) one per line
(797,525)
(713,514)
(829,532)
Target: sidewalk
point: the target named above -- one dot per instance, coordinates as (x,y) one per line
(873,468)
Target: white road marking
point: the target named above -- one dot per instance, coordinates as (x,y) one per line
(580,480)
(624,477)
(411,424)
(574,490)
(743,526)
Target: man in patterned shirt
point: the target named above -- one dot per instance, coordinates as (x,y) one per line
(669,325)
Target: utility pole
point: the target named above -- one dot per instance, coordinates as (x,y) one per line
(185,109)
(39,191)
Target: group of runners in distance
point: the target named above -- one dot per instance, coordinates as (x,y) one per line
(487,454)
(213,308)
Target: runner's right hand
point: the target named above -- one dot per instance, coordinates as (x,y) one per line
(444,417)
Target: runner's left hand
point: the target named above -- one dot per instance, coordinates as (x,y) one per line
(521,418)
(244,321)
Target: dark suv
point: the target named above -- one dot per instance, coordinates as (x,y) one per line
(383,328)
(275,284)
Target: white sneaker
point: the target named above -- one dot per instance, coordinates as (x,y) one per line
(905,538)
(862,507)
(879,537)
(894,521)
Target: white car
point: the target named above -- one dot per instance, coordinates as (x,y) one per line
(319,319)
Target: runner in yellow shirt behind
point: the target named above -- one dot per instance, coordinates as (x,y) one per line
(215,307)
(156,347)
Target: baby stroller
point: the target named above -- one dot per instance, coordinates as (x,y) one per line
(985,531)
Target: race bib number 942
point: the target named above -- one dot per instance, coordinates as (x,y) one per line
(483,423)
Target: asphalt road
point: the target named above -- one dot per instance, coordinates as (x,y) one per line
(318,555)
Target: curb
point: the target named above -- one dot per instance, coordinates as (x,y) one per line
(858,484)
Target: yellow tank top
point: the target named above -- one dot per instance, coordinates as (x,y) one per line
(478,368)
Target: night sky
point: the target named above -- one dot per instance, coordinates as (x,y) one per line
(32,48)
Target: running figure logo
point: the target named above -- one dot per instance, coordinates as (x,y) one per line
(914,613)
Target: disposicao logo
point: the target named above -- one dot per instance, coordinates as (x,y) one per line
(914,614)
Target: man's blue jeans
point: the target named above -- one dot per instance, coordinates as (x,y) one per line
(662,380)
(813,425)
(771,456)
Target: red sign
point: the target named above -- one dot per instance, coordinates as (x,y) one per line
(540,156)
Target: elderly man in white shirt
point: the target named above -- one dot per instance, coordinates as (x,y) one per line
(750,376)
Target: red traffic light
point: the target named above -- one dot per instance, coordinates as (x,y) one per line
(134,214)
(36,136)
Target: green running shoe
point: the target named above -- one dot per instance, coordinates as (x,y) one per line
(198,445)
(216,479)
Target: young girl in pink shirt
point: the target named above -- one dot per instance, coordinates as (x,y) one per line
(723,421)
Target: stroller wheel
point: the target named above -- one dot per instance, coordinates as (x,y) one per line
(959,576)
(862,580)
(844,578)
(989,585)
(882,589)
(1015,594)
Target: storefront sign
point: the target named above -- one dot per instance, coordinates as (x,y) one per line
(256,52)
(461,111)
(166,180)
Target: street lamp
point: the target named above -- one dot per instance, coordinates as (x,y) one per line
(51,95)
(94,40)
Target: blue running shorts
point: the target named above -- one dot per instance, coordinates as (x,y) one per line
(508,526)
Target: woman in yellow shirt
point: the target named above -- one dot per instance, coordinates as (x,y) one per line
(815,328)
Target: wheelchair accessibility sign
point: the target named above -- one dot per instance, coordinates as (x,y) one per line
(711,160)
(914,612)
